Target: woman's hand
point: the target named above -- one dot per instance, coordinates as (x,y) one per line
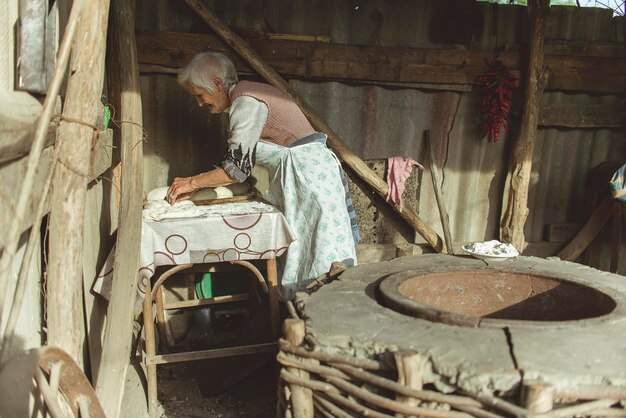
(181,189)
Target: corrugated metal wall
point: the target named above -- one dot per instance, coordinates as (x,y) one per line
(378,122)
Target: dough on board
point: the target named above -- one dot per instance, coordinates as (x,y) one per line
(208,193)
(221,192)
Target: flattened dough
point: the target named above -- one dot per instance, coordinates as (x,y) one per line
(221,192)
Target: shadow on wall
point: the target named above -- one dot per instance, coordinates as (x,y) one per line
(185,139)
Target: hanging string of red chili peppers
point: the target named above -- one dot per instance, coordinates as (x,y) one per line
(497,85)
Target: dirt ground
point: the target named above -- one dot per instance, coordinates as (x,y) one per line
(230,387)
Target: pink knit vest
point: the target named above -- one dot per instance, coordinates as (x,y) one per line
(285,121)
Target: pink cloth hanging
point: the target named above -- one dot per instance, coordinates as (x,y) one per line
(398,171)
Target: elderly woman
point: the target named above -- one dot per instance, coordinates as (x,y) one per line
(306,181)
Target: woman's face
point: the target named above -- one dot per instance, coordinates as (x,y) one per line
(217,102)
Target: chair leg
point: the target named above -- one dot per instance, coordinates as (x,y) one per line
(148,325)
(272,284)
(166,338)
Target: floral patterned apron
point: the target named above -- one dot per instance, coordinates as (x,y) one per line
(306,186)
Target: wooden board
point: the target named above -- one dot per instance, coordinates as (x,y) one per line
(583,116)
(316,60)
(240,198)
(125,92)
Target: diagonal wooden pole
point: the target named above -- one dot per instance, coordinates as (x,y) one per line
(357,165)
(123,77)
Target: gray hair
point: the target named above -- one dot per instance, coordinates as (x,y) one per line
(206,65)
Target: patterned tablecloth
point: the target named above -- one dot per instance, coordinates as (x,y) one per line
(226,232)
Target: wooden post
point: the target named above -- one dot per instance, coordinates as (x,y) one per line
(124,84)
(301,398)
(410,367)
(273,299)
(436,178)
(66,328)
(148,329)
(515,210)
(537,397)
(616,235)
(357,165)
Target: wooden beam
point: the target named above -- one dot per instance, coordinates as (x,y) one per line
(316,60)
(122,69)
(357,165)
(583,116)
(514,208)
(65,319)
(213,353)
(194,303)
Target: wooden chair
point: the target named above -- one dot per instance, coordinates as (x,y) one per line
(155,294)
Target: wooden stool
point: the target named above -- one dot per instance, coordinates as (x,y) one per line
(155,294)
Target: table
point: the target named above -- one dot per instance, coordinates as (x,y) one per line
(232,233)
(228,232)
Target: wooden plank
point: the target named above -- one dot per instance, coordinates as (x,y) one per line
(204,302)
(66,328)
(214,353)
(358,166)
(122,69)
(561,232)
(100,225)
(240,198)
(515,201)
(584,48)
(582,116)
(588,232)
(315,60)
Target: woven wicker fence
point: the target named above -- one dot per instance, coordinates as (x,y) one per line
(316,383)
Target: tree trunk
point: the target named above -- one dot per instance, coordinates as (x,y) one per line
(515,210)
(75,140)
